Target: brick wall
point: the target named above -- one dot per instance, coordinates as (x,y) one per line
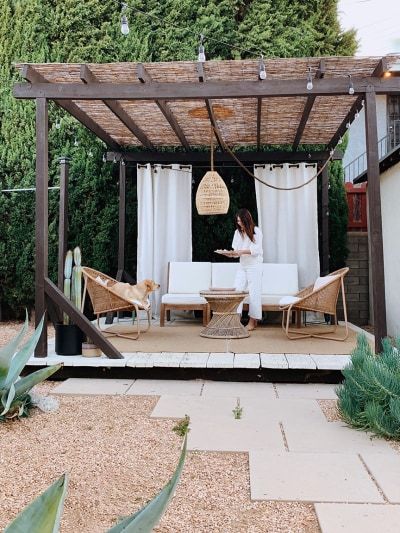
(356,281)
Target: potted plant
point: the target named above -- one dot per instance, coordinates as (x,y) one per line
(68,336)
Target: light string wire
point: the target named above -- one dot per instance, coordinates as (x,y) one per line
(226,147)
(150,16)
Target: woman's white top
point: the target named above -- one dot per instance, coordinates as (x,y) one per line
(242,242)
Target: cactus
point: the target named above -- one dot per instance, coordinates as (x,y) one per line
(73,279)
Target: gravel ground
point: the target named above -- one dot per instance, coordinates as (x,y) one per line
(9,329)
(118,458)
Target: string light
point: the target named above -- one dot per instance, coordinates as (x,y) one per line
(104,158)
(340,140)
(58,124)
(309,80)
(90,153)
(201,56)
(76,143)
(357,114)
(348,125)
(124,20)
(114,160)
(351,86)
(123,162)
(262,73)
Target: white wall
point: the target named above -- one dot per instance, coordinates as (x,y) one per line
(390,197)
(356,145)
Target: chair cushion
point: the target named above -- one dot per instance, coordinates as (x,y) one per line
(183,299)
(189,277)
(223,275)
(279,279)
(288,300)
(322,281)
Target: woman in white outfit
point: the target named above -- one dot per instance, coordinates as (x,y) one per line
(247,242)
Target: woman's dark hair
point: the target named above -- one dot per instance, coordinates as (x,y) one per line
(247,221)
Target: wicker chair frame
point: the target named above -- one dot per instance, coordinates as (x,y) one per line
(104,301)
(322,300)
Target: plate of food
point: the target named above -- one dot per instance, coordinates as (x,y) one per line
(227,253)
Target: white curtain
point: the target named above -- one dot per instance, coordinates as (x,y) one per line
(164,222)
(289,219)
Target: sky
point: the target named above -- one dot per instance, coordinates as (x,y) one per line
(377,23)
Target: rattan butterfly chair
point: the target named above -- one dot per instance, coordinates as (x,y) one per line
(321,297)
(99,286)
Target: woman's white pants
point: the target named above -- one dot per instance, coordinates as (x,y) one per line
(250,278)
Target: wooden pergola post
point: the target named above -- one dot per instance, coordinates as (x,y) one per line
(41,227)
(63,219)
(375,238)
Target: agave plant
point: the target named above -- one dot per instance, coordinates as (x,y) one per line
(43,515)
(14,390)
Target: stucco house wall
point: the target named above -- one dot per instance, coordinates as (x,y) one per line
(356,144)
(390,197)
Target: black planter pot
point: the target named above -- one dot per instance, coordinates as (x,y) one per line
(68,339)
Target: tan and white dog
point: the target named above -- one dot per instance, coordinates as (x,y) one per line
(138,293)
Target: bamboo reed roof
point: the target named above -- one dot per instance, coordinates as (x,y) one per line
(236,118)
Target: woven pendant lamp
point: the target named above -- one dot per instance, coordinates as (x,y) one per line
(212,196)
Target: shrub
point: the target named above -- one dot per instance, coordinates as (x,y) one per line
(369,398)
(14,390)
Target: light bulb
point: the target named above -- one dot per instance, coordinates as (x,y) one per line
(309,80)
(262,73)
(124,25)
(351,86)
(202,56)
(123,162)
(76,143)
(114,160)
(58,124)
(357,114)
(90,153)
(340,141)
(104,158)
(331,152)
(348,125)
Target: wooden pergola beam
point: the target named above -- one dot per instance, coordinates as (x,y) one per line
(211,115)
(378,72)
(222,157)
(34,77)
(202,91)
(163,106)
(115,107)
(78,318)
(307,108)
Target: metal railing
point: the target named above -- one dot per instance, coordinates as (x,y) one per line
(359,165)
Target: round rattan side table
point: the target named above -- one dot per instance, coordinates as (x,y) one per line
(225,322)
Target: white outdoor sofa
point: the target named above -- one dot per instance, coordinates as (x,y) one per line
(187,279)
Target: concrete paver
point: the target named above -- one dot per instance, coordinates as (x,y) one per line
(316,391)
(93,386)
(358,518)
(386,470)
(241,389)
(310,477)
(158,387)
(332,437)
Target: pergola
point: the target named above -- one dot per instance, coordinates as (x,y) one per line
(154,105)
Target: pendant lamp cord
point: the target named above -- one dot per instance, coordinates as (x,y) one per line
(260,180)
(212,147)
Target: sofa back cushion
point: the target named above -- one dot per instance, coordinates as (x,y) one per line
(189,277)
(223,275)
(280,279)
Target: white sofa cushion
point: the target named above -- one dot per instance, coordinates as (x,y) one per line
(288,300)
(279,279)
(189,277)
(183,299)
(322,281)
(223,275)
